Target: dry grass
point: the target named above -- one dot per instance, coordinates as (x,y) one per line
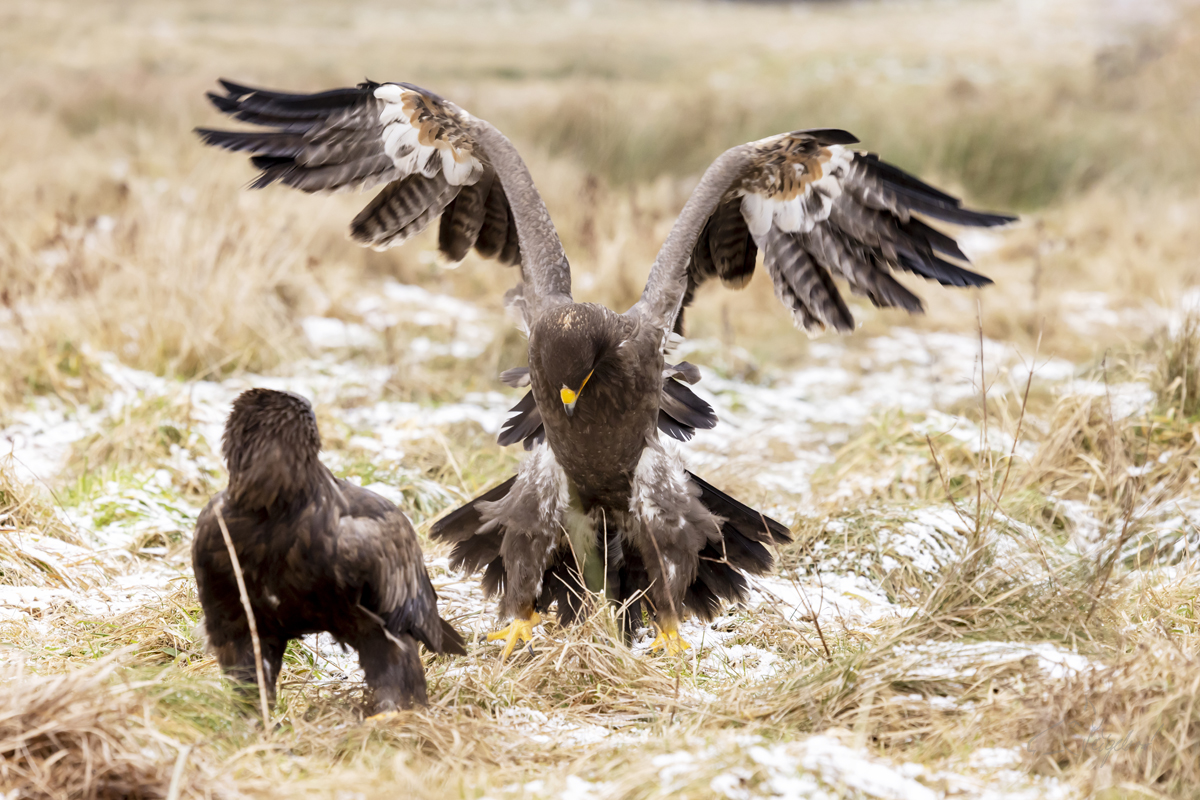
(1056,520)
(26,515)
(1177,371)
(90,734)
(1133,724)
(112,210)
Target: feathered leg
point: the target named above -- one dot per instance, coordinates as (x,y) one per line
(527,557)
(530,516)
(671,566)
(236,657)
(668,527)
(392,666)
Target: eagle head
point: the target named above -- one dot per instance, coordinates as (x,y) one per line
(571,344)
(271,445)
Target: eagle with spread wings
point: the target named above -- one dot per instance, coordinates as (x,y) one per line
(601,504)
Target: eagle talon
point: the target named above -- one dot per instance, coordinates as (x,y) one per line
(518,631)
(670,642)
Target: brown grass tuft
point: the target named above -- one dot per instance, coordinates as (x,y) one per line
(1176,373)
(1134,723)
(87,735)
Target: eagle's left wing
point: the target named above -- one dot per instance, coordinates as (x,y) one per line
(818,211)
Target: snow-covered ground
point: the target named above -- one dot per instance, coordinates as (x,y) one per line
(805,413)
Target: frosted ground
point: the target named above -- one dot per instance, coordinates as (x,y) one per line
(776,433)
(983,600)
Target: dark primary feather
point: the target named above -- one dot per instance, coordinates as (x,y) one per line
(293,105)
(463,219)
(516,378)
(828,136)
(472,549)
(730,245)
(511,252)
(746,532)
(803,287)
(681,407)
(493,234)
(461,524)
(913,194)
(725,250)
(403,209)
(742,549)
(525,424)
(910,245)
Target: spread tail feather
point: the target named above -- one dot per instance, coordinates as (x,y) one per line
(746,532)
(720,578)
(742,549)
(473,550)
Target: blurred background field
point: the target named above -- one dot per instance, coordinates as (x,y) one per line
(1056,516)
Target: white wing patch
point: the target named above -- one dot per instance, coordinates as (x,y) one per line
(808,208)
(419,135)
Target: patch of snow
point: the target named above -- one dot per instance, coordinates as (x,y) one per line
(733,784)
(673,765)
(329,333)
(1087,312)
(985,758)
(580,789)
(553,728)
(799,416)
(828,597)
(1127,398)
(963,660)
(839,765)
(338,662)
(124,594)
(975,242)
(742,660)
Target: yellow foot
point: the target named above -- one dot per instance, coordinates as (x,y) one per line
(519,630)
(382,715)
(669,642)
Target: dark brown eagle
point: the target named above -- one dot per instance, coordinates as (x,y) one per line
(600,497)
(317,553)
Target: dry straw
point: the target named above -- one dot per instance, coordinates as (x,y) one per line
(250,621)
(119,234)
(90,735)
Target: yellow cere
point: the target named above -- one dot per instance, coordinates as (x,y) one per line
(568,396)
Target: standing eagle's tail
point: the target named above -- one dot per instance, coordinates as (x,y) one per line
(743,548)
(474,550)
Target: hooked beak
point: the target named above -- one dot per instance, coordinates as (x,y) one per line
(571,396)
(569,399)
